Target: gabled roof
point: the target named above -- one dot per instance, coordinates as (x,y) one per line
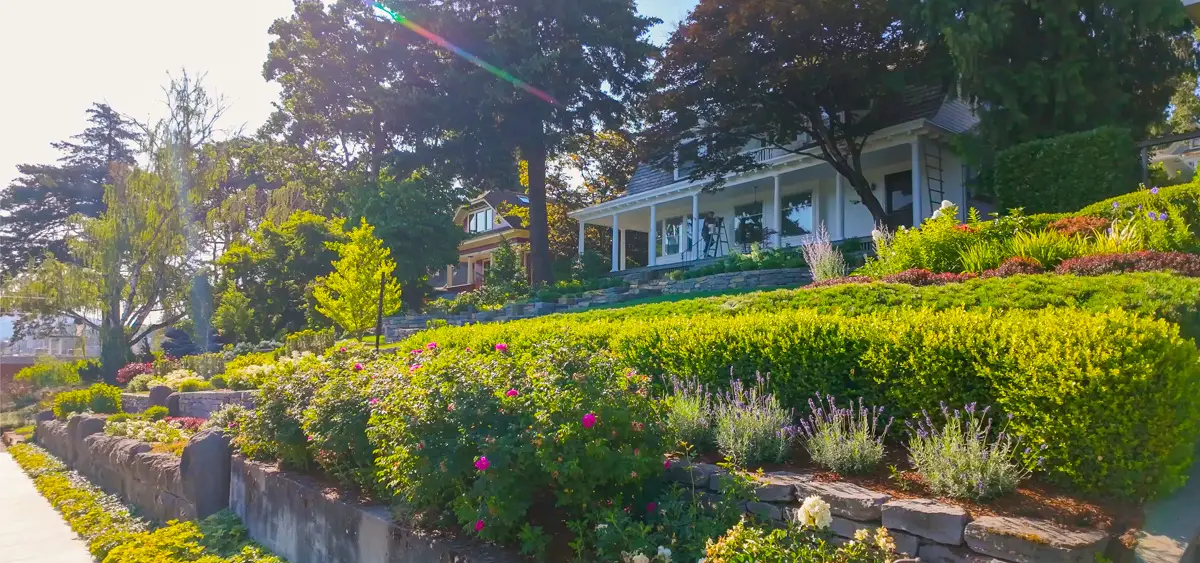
(494,199)
(920,102)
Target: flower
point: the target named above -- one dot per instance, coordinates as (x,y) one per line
(482,463)
(862,534)
(637,426)
(814,512)
(478,526)
(651,506)
(667,464)
(633,474)
(664,553)
(589,420)
(373,401)
(639,558)
(601,527)
(414,367)
(512,393)
(431,346)
(1162,216)
(1116,205)
(450,407)
(342,349)
(1154,191)
(884,541)
(501,347)
(357,367)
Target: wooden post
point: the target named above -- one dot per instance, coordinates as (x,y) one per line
(379,310)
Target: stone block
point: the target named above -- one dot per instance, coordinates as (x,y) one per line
(942,523)
(1026,540)
(846,528)
(173,405)
(159,395)
(845,499)
(694,474)
(43,416)
(204,472)
(779,486)
(764,510)
(938,553)
(907,544)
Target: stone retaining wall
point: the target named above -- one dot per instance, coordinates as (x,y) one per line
(133,402)
(765,279)
(198,404)
(933,531)
(293,516)
(161,485)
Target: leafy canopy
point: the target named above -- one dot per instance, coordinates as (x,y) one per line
(349,295)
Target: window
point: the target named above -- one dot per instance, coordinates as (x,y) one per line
(481,221)
(674,235)
(749,227)
(686,159)
(797,214)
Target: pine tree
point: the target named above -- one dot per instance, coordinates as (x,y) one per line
(349,295)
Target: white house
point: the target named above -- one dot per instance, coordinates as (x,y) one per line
(1179,158)
(784,200)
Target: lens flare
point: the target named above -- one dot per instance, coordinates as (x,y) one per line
(438,40)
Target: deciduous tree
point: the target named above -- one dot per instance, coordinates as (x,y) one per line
(349,296)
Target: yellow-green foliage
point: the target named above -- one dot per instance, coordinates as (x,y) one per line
(99,398)
(49,372)
(113,535)
(1111,394)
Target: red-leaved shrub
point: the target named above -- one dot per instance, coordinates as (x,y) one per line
(187,422)
(917,276)
(1013,266)
(840,281)
(1097,264)
(1071,226)
(132,370)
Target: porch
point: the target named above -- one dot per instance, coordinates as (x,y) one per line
(783,204)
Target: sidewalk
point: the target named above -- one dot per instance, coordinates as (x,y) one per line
(30,529)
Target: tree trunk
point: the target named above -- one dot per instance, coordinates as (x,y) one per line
(863,188)
(539,230)
(114,348)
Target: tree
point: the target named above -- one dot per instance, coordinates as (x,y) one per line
(1041,69)
(275,267)
(506,273)
(130,264)
(415,219)
(349,295)
(587,58)
(768,73)
(36,208)
(235,317)
(178,343)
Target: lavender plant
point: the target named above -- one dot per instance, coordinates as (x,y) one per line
(751,425)
(960,459)
(845,440)
(690,412)
(824,261)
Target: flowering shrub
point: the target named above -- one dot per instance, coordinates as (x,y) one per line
(844,440)
(1177,262)
(751,425)
(132,370)
(225,418)
(750,544)
(187,423)
(1080,225)
(961,458)
(814,513)
(824,261)
(335,423)
(1014,266)
(158,431)
(840,281)
(925,277)
(689,412)
(935,246)
(140,383)
(579,426)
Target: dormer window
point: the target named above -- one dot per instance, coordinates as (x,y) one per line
(481,221)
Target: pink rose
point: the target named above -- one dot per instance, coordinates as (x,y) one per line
(373,401)
(651,507)
(450,407)
(357,367)
(342,349)
(667,464)
(501,347)
(482,463)
(478,526)
(431,346)
(512,393)
(589,420)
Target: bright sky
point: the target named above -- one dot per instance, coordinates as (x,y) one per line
(56,58)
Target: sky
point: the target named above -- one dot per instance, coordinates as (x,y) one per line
(56,58)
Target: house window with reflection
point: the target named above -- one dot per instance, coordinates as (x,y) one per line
(749,226)
(481,221)
(797,215)
(674,235)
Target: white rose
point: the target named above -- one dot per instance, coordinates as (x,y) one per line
(664,553)
(947,203)
(639,558)
(814,512)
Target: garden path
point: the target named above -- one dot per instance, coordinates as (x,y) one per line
(30,529)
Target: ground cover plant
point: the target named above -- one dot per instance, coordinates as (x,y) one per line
(115,535)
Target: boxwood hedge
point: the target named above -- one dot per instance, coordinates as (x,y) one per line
(1110,394)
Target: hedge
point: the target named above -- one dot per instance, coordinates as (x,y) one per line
(1110,394)
(1067,172)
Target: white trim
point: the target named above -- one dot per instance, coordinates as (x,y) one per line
(776,216)
(879,140)
(582,236)
(653,252)
(839,207)
(616,242)
(920,196)
(695,242)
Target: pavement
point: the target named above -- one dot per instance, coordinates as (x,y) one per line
(30,529)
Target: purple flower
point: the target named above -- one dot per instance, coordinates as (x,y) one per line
(1154,191)
(970,408)
(589,420)
(482,463)
(501,347)
(1116,205)
(1152,215)
(1162,216)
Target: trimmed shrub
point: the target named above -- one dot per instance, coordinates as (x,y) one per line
(50,372)
(1080,366)
(1080,225)
(919,277)
(1065,173)
(193,385)
(69,402)
(1098,264)
(219,382)
(154,413)
(744,543)
(99,398)
(1014,266)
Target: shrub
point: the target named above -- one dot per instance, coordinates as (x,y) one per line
(840,281)
(1184,198)
(689,412)
(1047,248)
(69,402)
(983,255)
(140,383)
(925,277)
(220,538)
(1016,265)
(49,372)
(204,365)
(119,417)
(125,374)
(275,433)
(152,432)
(751,426)
(747,544)
(1098,264)
(226,418)
(1081,225)
(314,341)
(962,459)
(154,413)
(824,261)
(219,382)
(846,440)
(335,424)
(1067,172)
(187,423)
(936,246)
(193,385)
(99,399)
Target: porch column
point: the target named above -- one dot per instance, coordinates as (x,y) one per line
(839,208)
(918,189)
(623,251)
(777,213)
(582,236)
(470,270)
(449,275)
(653,235)
(616,242)
(696,226)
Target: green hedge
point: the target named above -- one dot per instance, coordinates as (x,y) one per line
(1067,172)
(1110,394)
(99,398)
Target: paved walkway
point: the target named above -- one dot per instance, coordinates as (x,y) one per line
(30,529)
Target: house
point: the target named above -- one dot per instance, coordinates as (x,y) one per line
(486,225)
(908,162)
(1179,158)
(1193,9)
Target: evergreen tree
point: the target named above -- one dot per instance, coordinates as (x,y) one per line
(349,296)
